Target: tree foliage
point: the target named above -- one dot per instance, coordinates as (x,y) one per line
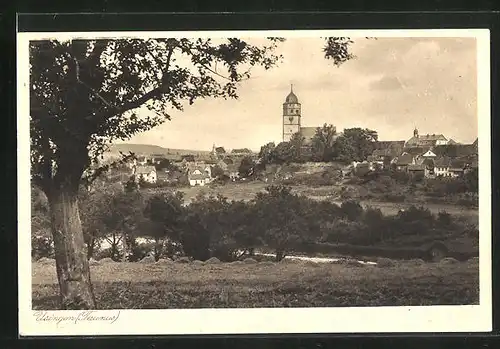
(246,168)
(284,219)
(85,94)
(323,143)
(267,152)
(355,144)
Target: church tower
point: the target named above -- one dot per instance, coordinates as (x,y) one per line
(291,116)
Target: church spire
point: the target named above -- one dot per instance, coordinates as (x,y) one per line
(291,88)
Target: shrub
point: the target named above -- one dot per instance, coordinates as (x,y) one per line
(41,246)
(394,197)
(351,210)
(107,253)
(444,219)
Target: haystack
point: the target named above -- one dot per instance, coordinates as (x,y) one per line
(106,260)
(197,262)
(290,261)
(417,261)
(237,263)
(266,263)
(249,261)
(148,260)
(213,260)
(448,260)
(182,260)
(164,261)
(385,263)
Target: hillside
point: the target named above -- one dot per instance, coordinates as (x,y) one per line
(147,149)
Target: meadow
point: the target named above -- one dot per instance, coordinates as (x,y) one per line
(247,190)
(170,285)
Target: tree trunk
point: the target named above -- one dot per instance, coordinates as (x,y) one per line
(73,271)
(91,247)
(280,254)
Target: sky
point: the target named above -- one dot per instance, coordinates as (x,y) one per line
(392,86)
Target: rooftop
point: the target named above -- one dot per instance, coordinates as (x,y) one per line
(291,98)
(145,169)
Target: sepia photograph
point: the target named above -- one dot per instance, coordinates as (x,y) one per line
(249,182)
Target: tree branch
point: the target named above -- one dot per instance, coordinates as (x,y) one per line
(156,92)
(79,80)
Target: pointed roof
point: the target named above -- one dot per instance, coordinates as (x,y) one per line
(145,169)
(416,151)
(404,159)
(442,162)
(291,98)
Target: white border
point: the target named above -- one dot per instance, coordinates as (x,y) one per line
(261,320)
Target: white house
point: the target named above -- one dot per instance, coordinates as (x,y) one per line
(146,173)
(442,167)
(199,176)
(429,155)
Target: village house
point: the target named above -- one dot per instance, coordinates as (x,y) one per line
(362,168)
(429,154)
(457,168)
(142,160)
(383,156)
(233,171)
(429,165)
(442,167)
(241,152)
(417,170)
(145,173)
(428,140)
(455,150)
(402,161)
(218,152)
(199,176)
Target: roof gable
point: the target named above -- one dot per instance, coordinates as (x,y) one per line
(145,169)
(404,159)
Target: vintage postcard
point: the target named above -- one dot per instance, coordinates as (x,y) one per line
(238,182)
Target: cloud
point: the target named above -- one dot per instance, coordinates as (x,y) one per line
(387,83)
(393,85)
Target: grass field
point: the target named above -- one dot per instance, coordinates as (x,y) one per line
(247,191)
(286,284)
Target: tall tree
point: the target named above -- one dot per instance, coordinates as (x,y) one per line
(355,144)
(85,94)
(284,219)
(266,153)
(246,168)
(296,144)
(323,143)
(164,211)
(282,153)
